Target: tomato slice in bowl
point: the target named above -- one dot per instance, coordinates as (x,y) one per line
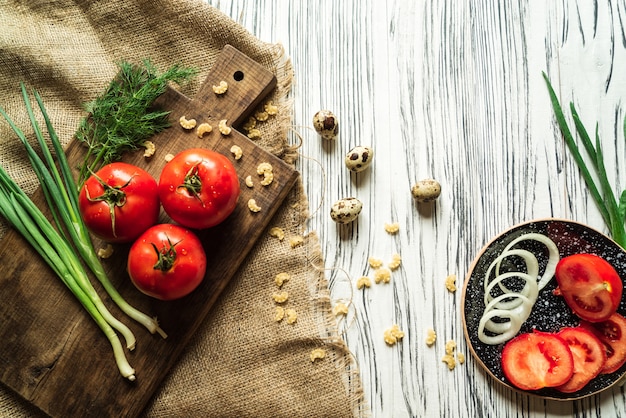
(590,285)
(589,357)
(536,360)
(612,333)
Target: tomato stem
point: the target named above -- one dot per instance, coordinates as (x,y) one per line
(166,256)
(193,183)
(113,196)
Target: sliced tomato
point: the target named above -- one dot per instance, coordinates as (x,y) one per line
(612,333)
(590,285)
(536,360)
(589,357)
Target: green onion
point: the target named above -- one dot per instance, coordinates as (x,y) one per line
(613,211)
(59,246)
(74,223)
(28,220)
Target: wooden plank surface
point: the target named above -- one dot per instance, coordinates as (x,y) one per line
(52,353)
(450,90)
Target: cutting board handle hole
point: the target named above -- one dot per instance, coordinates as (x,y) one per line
(238,75)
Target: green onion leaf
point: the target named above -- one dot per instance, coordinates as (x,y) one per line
(613,213)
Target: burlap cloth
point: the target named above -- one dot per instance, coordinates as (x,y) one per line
(240,363)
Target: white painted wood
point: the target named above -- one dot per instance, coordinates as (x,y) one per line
(453,91)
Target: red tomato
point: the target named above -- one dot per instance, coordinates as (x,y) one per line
(199,188)
(590,285)
(612,333)
(119,202)
(536,360)
(589,357)
(167,262)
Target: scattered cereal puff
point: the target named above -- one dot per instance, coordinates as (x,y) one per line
(395,263)
(263,168)
(292,316)
(296,241)
(268,178)
(460,357)
(340,309)
(450,346)
(150,149)
(375,263)
(280,297)
(254,133)
(237,152)
(220,88)
(382,275)
(271,109)
(105,252)
(249,182)
(431,337)
(449,360)
(279,314)
(281,278)
(203,129)
(168,157)
(451,283)
(393,334)
(187,123)
(250,124)
(223,127)
(363,281)
(266,170)
(392,228)
(277,232)
(261,116)
(317,354)
(252,205)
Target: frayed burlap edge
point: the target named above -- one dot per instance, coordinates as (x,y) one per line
(322,298)
(345,359)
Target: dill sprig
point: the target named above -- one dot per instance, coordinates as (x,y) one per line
(612,209)
(123,117)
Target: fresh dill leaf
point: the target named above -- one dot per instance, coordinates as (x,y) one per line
(613,211)
(122,118)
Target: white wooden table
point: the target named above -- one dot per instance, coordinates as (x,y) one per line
(453,91)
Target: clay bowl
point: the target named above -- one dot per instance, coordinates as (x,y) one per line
(550,312)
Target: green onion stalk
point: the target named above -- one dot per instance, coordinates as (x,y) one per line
(28,220)
(74,222)
(612,209)
(54,245)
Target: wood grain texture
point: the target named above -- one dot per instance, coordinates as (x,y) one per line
(453,91)
(52,354)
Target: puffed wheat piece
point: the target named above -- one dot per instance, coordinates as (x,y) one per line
(252,205)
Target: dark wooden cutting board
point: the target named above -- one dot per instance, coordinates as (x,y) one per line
(52,353)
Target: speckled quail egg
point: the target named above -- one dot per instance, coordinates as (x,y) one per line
(426,190)
(359,158)
(346,210)
(326,124)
